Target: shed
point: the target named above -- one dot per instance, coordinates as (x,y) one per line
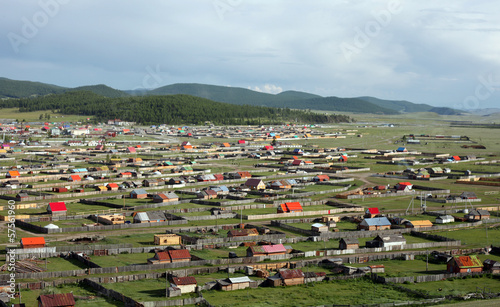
(348,243)
(464,264)
(56,300)
(444,219)
(318,227)
(33,242)
(187,284)
(376,223)
(57,208)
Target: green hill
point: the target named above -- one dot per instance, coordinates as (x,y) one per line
(288,99)
(101,89)
(398,105)
(16,89)
(166,109)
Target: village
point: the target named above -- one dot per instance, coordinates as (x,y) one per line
(170,216)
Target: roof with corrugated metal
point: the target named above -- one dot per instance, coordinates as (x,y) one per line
(142,216)
(57,206)
(57,300)
(289,274)
(237,280)
(277,248)
(293,206)
(422,223)
(376,221)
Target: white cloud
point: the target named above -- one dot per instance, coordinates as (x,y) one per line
(267,88)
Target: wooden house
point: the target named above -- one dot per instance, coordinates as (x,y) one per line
(234,283)
(12,174)
(404,186)
(319,228)
(477,215)
(491,266)
(167,239)
(57,208)
(291,277)
(238,232)
(290,207)
(321,178)
(376,223)
(444,219)
(22,196)
(59,189)
(187,284)
(266,250)
(112,186)
(33,242)
(418,224)
(56,300)
(348,243)
(179,255)
(464,264)
(371,212)
(255,184)
(396,240)
(110,219)
(138,193)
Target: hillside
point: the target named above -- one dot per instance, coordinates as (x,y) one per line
(16,89)
(166,109)
(100,89)
(288,99)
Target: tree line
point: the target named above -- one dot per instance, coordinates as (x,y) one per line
(168,109)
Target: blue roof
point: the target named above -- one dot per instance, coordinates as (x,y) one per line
(401,149)
(139,191)
(377,221)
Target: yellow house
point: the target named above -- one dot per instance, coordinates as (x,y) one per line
(167,239)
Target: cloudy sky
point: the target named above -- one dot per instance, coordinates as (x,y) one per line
(443,53)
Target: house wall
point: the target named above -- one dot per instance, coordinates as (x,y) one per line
(187,288)
(293,281)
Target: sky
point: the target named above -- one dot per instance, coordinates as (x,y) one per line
(443,53)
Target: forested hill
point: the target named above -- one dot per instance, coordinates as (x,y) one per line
(167,109)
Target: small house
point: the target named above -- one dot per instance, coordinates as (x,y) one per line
(290,207)
(57,208)
(491,266)
(348,243)
(376,223)
(112,186)
(22,196)
(179,255)
(468,195)
(396,240)
(138,193)
(464,264)
(404,186)
(266,250)
(444,219)
(110,219)
(319,228)
(59,189)
(477,215)
(291,277)
(234,283)
(167,239)
(418,224)
(242,232)
(56,300)
(33,242)
(187,284)
(321,178)
(255,184)
(74,178)
(371,212)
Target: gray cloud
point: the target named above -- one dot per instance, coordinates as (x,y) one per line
(426,52)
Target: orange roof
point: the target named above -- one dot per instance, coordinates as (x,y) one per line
(226,145)
(33,241)
(14,174)
(422,223)
(293,206)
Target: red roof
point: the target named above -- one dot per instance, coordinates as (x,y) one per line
(456,158)
(277,248)
(373,211)
(179,254)
(57,206)
(57,300)
(131,149)
(219,176)
(290,274)
(268,147)
(293,206)
(182,281)
(33,241)
(76,178)
(112,185)
(162,255)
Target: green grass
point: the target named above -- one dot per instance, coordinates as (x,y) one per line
(458,286)
(84,296)
(146,290)
(14,113)
(474,238)
(121,259)
(351,292)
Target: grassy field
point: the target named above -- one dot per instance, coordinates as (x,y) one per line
(352,292)
(121,259)
(458,286)
(13,113)
(84,296)
(474,238)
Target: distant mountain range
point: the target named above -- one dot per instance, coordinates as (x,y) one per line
(234,95)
